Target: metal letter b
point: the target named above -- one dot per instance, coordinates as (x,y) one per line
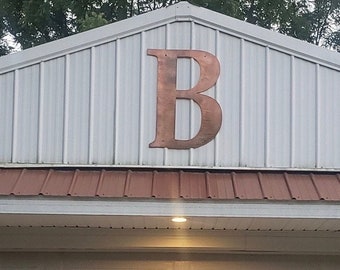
(211,113)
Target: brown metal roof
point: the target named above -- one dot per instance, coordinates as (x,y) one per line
(171,184)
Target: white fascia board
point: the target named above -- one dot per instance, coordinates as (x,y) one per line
(87,39)
(270,38)
(225,209)
(182,11)
(155,167)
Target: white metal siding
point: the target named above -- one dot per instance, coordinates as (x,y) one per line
(278,117)
(253,105)
(97,105)
(229,94)
(6,115)
(26,115)
(183,121)
(128,100)
(52,95)
(102,107)
(328,118)
(202,37)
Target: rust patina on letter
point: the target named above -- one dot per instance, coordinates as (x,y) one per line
(211,113)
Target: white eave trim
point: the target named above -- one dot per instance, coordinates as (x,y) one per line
(182,11)
(219,215)
(225,209)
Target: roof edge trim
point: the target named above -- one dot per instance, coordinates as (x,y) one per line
(182,11)
(225,209)
(150,167)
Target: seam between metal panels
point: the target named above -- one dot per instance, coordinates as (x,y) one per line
(44,185)
(167,45)
(73,182)
(141,97)
(40,110)
(100,182)
(241,111)
(312,177)
(292,110)
(15,115)
(317,112)
(91,104)
(217,87)
(266,109)
(66,108)
(191,102)
(116,108)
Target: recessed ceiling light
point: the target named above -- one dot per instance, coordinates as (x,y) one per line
(179,219)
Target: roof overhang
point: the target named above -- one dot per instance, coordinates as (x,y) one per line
(157,214)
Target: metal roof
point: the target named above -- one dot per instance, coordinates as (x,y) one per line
(189,185)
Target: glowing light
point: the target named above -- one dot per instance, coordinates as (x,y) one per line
(179,219)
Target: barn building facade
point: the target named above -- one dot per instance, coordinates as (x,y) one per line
(109,134)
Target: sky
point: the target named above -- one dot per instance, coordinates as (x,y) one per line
(9,38)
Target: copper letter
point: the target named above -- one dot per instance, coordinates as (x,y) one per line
(211,113)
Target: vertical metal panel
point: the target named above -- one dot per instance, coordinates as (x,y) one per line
(6,115)
(329,116)
(228,87)
(304,114)
(254,106)
(204,38)
(91,105)
(79,100)
(194,69)
(27,114)
(141,98)
(155,38)
(52,110)
(104,71)
(127,116)
(278,111)
(182,128)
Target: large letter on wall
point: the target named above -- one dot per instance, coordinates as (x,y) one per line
(211,113)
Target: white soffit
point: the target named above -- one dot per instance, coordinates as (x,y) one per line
(252,215)
(167,240)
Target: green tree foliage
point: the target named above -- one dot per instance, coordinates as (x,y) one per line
(33,22)
(324,23)
(4,48)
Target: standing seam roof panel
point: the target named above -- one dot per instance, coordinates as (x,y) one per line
(279,186)
(247,185)
(274,186)
(112,184)
(220,185)
(302,187)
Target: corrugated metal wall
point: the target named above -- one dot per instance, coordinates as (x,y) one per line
(98,105)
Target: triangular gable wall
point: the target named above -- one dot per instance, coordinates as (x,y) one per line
(90,99)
